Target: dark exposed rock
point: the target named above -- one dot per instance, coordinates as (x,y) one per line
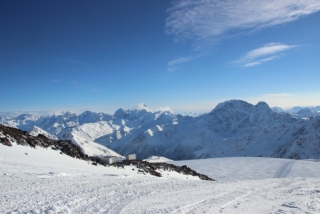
(150,168)
(8,135)
(5,141)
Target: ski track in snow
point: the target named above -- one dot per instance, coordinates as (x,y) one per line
(96,194)
(234,200)
(190,206)
(38,183)
(115,194)
(284,170)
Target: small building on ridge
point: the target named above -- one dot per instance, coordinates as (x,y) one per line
(109,160)
(131,157)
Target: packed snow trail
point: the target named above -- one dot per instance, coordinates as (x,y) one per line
(46,182)
(284,170)
(111,194)
(190,206)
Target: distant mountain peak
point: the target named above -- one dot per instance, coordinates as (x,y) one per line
(87,112)
(69,113)
(23,116)
(232,105)
(263,106)
(142,106)
(120,113)
(262,103)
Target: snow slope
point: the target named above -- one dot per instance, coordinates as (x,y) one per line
(300,112)
(90,131)
(44,181)
(84,135)
(253,168)
(93,149)
(35,131)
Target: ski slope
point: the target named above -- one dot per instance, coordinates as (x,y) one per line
(44,181)
(253,168)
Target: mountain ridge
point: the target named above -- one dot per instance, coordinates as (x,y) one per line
(232,128)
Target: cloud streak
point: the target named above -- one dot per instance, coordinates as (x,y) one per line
(210,21)
(277,95)
(263,54)
(172,65)
(287,99)
(251,64)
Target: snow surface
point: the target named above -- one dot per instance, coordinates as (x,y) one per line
(157,159)
(93,149)
(253,168)
(44,181)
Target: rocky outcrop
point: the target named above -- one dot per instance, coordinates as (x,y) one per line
(9,135)
(151,168)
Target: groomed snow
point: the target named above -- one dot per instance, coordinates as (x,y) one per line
(44,181)
(253,168)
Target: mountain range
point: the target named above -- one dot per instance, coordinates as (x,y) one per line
(232,128)
(300,112)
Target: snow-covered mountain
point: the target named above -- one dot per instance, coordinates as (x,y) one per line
(233,128)
(307,113)
(37,137)
(35,131)
(85,128)
(300,112)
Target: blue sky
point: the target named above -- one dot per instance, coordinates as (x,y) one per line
(187,55)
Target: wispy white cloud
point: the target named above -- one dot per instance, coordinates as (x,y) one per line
(271,48)
(263,54)
(165,108)
(173,63)
(208,22)
(287,99)
(251,64)
(213,20)
(277,95)
(178,61)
